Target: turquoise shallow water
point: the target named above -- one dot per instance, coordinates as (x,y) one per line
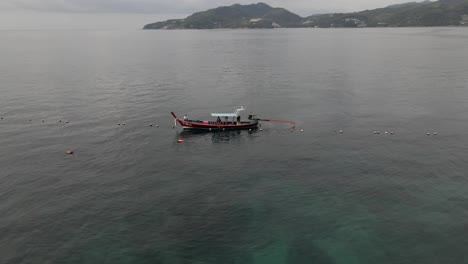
(131,194)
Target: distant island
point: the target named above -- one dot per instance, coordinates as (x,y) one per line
(261,15)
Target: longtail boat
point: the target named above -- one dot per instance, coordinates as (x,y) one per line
(224,121)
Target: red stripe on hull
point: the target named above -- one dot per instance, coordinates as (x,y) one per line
(196,125)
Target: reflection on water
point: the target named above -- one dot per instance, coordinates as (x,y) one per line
(216,136)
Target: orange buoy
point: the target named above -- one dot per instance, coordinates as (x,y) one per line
(180,141)
(69,152)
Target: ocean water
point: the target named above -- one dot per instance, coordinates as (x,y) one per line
(131,194)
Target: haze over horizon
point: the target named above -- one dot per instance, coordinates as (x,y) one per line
(133,14)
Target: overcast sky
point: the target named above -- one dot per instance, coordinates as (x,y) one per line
(133,14)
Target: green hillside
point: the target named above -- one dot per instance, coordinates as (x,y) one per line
(413,14)
(439,13)
(236,16)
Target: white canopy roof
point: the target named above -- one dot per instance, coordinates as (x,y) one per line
(235,114)
(223,115)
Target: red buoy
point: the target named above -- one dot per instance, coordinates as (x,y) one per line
(180,141)
(69,152)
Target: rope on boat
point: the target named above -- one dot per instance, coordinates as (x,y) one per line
(280,121)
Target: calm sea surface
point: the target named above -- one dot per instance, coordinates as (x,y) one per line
(131,194)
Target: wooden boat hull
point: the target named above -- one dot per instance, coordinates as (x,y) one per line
(215,126)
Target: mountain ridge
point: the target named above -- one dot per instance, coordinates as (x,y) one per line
(261,15)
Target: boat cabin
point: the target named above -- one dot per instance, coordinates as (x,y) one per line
(229,118)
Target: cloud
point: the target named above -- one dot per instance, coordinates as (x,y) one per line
(302,7)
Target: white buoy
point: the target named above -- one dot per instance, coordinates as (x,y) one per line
(250,129)
(302,130)
(392,132)
(435,133)
(428,133)
(386,132)
(261,129)
(157,125)
(341,131)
